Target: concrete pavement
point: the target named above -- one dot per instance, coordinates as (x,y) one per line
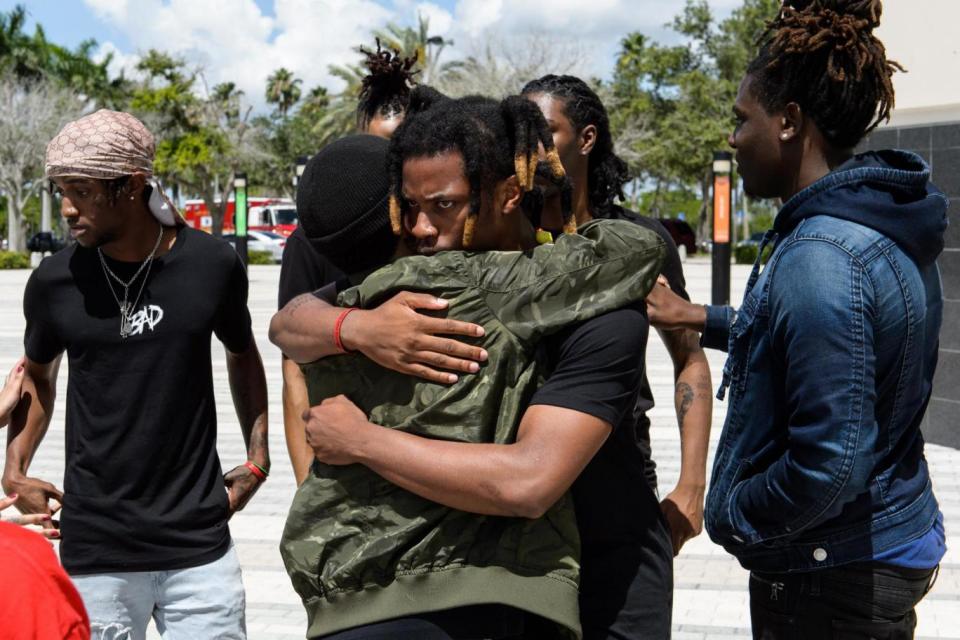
(710,598)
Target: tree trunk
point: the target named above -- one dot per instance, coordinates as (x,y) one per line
(15,236)
(216,213)
(46,209)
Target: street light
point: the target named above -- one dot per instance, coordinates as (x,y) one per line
(300,168)
(722,167)
(240,215)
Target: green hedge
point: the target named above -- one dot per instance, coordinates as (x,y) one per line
(747,254)
(14,260)
(260,257)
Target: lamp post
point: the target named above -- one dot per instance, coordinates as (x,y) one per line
(722,167)
(240,215)
(301,166)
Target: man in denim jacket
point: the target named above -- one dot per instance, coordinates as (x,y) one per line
(819,485)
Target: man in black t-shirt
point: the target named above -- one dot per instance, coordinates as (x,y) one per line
(134,303)
(628,543)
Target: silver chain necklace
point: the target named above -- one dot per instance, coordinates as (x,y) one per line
(127,309)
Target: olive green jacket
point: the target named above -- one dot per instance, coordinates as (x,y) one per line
(361,550)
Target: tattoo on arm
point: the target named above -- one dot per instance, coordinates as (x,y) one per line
(684,398)
(298,302)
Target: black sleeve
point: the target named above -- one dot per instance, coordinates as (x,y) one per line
(234,326)
(302,269)
(41,342)
(672,267)
(599,365)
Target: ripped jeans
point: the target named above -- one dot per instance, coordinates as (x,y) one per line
(200,602)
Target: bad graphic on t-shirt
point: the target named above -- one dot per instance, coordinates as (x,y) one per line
(149,316)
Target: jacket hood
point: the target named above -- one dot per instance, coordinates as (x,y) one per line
(889,191)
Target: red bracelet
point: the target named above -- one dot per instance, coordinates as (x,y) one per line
(256,470)
(339,325)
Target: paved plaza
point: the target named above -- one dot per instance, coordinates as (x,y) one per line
(710,599)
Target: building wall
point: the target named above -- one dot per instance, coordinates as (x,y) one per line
(939,145)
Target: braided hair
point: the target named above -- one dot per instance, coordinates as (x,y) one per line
(607,173)
(497,139)
(385,90)
(822,54)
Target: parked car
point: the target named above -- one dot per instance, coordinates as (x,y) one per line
(682,234)
(272,243)
(45,242)
(755,239)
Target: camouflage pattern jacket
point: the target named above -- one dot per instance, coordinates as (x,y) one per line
(361,550)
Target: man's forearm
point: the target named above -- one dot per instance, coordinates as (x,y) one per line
(522,479)
(29,422)
(295,402)
(694,404)
(248,385)
(303,329)
(477,478)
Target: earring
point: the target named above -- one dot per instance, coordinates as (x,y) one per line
(131,197)
(784,136)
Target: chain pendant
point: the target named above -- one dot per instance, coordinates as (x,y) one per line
(125,326)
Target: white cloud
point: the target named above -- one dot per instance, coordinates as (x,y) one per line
(441,20)
(233,40)
(120,62)
(474,16)
(596,27)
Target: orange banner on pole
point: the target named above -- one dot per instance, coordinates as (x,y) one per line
(721,208)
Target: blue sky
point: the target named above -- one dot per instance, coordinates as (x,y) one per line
(70,22)
(307,36)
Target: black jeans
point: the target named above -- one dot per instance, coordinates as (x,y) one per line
(853,602)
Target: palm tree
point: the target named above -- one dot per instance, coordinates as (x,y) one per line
(283,90)
(417,42)
(340,116)
(33,58)
(24,56)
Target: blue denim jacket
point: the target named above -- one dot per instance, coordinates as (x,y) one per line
(831,362)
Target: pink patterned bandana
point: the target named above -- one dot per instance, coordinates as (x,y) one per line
(107,145)
(103,145)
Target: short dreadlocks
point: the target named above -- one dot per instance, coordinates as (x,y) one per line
(822,54)
(386,87)
(497,139)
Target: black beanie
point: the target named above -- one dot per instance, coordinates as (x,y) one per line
(342,203)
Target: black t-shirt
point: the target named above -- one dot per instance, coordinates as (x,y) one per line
(625,546)
(673,272)
(143,486)
(303,269)
(597,367)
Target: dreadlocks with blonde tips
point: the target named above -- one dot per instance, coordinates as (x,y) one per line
(497,139)
(822,54)
(386,88)
(396,217)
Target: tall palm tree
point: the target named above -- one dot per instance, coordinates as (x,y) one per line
(283,90)
(340,116)
(24,56)
(417,42)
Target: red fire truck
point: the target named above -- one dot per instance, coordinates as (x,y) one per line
(278,215)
